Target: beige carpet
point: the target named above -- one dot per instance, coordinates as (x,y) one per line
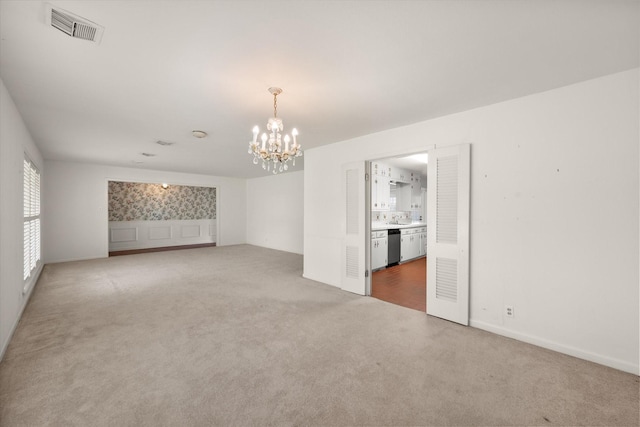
(235,336)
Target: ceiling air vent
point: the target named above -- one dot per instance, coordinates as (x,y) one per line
(73,25)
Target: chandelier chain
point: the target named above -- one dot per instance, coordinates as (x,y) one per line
(275,105)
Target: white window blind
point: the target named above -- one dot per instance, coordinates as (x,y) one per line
(31,196)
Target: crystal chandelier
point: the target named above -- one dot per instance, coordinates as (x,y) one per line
(274,154)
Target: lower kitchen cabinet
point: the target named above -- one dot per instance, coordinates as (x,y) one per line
(412,243)
(379,249)
(423,241)
(409,244)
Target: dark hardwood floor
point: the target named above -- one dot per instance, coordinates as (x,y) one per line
(404,284)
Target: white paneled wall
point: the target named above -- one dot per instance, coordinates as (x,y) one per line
(127,235)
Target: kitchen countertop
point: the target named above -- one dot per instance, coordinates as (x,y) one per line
(380,227)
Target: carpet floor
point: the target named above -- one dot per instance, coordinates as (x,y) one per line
(235,336)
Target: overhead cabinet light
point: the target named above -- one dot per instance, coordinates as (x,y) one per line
(73,25)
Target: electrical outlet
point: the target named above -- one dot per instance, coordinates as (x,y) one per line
(508,310)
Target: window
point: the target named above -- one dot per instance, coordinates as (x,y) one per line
(31,195)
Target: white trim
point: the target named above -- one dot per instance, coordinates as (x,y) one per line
(560,348)
(56,261)
(402,153)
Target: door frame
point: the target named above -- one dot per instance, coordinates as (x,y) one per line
(404,153)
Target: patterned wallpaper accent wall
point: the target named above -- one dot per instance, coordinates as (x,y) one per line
(135,201)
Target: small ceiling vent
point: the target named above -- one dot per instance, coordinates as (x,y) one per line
(73,25)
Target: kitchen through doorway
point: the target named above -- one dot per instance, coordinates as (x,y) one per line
(399,230)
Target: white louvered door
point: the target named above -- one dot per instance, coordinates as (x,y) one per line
(354,248)
(448,185)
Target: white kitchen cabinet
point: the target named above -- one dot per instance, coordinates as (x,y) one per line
(416,192)
(423,241)
(380,169)
(380,193)
(409,194)
(400,175)
(375,203)
(380,190)
(409,243)
(379,250)
(404,245)
(415,243)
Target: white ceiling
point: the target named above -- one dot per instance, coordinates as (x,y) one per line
(348,68)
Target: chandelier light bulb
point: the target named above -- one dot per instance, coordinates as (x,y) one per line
(264,141)
(286,147)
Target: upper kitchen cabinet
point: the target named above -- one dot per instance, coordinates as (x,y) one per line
(380,169)
(380,190)
(400,175)
(416,192)
(380,193)
(406,176)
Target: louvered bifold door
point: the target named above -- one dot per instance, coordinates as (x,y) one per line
(354,260)
(448,184)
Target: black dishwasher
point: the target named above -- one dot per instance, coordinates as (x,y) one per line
(394,247)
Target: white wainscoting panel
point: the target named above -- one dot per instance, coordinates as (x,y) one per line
(127,235)
(161,232)
(190,230)
(124,234)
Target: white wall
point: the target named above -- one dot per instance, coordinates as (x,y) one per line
(76,220)
(275,209)
(554,213)
(15,140)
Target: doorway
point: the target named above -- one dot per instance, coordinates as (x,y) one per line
(447,229)
(398,206)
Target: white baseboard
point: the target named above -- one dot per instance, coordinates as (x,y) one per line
(560,348)
(56,261)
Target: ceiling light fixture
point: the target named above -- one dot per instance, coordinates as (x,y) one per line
(273,154)
(164,143)
(199,133)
